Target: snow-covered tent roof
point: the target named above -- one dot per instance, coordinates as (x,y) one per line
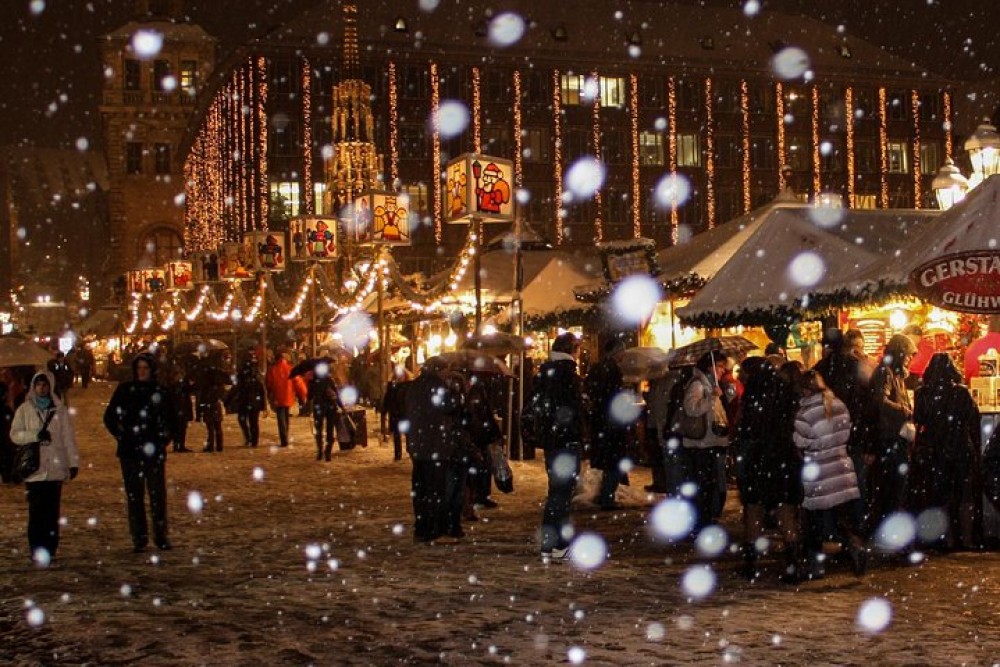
(702,255)
(771,275)
(973,224)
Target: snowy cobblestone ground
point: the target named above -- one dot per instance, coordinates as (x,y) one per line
(296,562)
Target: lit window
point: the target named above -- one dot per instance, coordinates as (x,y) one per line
(535,145)
(189,76)
(651,149)
(612,91)
(319,189)
(930,159)
(688,150)
(285,201)
(572,86)
(899,157)
(866,201)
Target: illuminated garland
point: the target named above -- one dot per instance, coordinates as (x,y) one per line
(557,151)
(883,145)
(709,155)
(436,150)
(816,165)
(947,125)
(242,159)
(779,110)
(672,154)
(596,137)
(917,185)
(393,123)
(265,195)
(228,176)
(633,107)
(518,139)
(309,196)
(745,143)
(477,133)
(849,126)
(249,146)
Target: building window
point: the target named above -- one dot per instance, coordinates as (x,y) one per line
(283,140)
(420,203)
(866,157)
(132,74)
(896,106)
(930,107)
(899,157)
(161,245)
(688,150)
(162,156)
(285,78)
(930,159)
(497,86)
(616,146)
(415,83)
(572,87)
(651,149)
(865,201)
(161,70)
(728,152)
(133,157)
(535,144)
(798,153)
(763,154)
(413,142)
(576,144)
(618,209)
(496,140)
(189,77)
(536,88)
(689,96)
(761,99)
(612,91)
(728,98)
(319,190)
(285,201)
(652,92)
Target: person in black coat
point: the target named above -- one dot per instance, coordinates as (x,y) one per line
(140,418)
(439,445)
(324,396)
(392,408)
(553,419)
(609,435)
(210,384)
(249,400)
(179,390)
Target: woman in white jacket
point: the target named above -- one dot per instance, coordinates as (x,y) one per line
(58,461)
(822,428)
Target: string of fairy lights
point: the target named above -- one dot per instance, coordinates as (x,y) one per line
(779,113)
(477,108)
(709,155)
(393,123)
(672,154)
(946,103)
(817,182)
(436,149)
(557,156)
(309,196)
(518,129)
(745,143)
(915,112)
(849,131)
(883,143)
(633,111)
(595,115)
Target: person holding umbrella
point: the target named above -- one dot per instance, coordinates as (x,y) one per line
(609,434)
(324,395)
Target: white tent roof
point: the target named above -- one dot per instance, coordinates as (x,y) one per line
(780,263)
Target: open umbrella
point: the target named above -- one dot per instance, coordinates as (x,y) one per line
(644,363)
(200,345)
(18,352)
(688,355)
(498,343)
(472,361)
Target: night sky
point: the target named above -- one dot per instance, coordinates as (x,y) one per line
(51,70)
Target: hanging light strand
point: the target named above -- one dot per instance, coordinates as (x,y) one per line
(436,148)
(633,108)
(917,185)
(309,196)
(779,112)
(672,153)
(948,146)
(518,128)
(883,147)
(817,182)
(262,146)
(596,139)
(557,153)
(393,123)
(709,155)
(849,126)
(477,111)
(745,143)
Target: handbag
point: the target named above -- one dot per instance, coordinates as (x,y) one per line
(502,474)
(346,428)
(28,458)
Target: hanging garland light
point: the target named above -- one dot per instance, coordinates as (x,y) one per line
(633,108)
(779,112)
(745,143)
(518,139)
(557,152)
(309,196)
(883,146)
(596,138)
(393,123)
(816,164)
(917,185)
(709,155)
(436,150)
(947,124)
(477,130)
(672,154)
(849,123)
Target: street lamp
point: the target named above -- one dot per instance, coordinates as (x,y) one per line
(984,151)
(949,186)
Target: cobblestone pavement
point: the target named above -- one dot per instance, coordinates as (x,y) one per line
(297,562)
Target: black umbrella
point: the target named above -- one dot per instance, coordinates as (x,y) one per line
(498,343)
(310,366)
(688,355)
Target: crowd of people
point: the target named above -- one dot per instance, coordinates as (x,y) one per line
(820,455)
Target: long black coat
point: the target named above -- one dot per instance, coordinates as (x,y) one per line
(433,412)
(843,375)
(140,416)
(609,436)
(553,413)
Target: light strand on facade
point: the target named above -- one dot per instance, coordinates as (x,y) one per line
(883,148)
(917,185)
(309,196)
(745,144)
(779,112)
(709,155)
(518,128)
(557,152)
(849,127)
(672,154)
(595,114)
(633,109)
(436,149)
(477,113)
(265,195)
(243,157)
(948,145)
(393,124)
(817,165)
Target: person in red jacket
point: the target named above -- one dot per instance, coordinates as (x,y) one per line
(280,393)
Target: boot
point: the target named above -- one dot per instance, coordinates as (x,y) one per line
(319,452)
(749,569)
(329,451)
(792,573)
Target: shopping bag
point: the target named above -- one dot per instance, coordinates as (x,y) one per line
(503,476)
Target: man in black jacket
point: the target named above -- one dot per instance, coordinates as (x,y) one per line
(141,421)
(553,420)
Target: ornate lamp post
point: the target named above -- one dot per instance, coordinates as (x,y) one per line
(983,147)
(949,186)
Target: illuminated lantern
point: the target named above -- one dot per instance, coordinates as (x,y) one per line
(480,187)
(234,264)
(314,238)
(133,281)
(152,280)
(266,250)
(180,275)
(381,218)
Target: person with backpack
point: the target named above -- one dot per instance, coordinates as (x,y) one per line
(554,420)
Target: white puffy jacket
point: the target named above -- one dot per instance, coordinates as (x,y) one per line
(57,457)
(828,476)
